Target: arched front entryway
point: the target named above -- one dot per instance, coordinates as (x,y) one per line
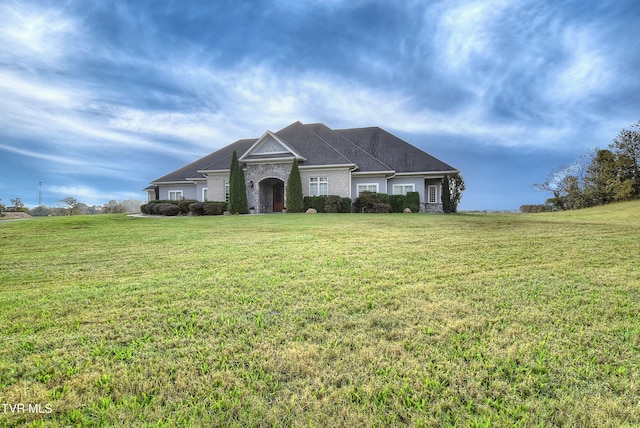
(271,195)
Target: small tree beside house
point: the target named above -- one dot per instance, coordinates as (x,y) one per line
(237,187)
(295,200)
(446,196)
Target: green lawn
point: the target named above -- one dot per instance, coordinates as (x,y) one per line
(323,320)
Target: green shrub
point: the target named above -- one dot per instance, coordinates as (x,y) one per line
(150,207)
(315,202)
(413,202)
(237,187)
(184,205)
(196,208)
(381,208)
(295,201)
(370,202)
(333,204)
(166,209)
(208,208)
(346,205)
(398,203)
(154,209)
(215,208)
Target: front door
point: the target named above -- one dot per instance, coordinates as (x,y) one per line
(278,197)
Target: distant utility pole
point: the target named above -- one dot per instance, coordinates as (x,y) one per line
(39,193)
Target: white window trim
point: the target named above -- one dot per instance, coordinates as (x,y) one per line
(320,180)
(376,185)
(176,192)
(403,187)
(435,194)
(205,192)
(226,190)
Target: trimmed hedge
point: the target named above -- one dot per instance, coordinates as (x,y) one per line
(346,206)
(332,204)
(208,208)
(315,202)
(167,209)
(150,207)
(398,203)
(370,202)
(183,207)
(215,208)
(327,204)
(413,201)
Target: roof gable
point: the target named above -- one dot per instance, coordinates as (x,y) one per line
(270,147)
(310,145)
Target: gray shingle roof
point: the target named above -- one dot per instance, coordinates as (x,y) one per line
(218,160)
(391,150)
(370,149)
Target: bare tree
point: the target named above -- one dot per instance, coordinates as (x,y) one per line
(68,203)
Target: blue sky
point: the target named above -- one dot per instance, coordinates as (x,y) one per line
(97,98)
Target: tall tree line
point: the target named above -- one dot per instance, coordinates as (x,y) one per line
(601,177)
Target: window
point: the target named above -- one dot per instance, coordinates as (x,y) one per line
(402,189)
(226,190)
(318,186)
(175,195)
(433,194)
(204,194)
(367,187)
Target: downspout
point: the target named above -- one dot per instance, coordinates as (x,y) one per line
(391,177)
(354,169)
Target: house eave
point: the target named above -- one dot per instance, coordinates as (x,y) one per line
(288,159)
(213,171)
(334,166)
(427,173)
(171,183)
(372,173)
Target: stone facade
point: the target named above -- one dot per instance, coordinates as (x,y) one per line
(263,177)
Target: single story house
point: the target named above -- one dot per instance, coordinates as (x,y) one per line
(342,162)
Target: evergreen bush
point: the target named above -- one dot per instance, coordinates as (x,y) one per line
(295,201)
(167,209)
(215,208)
(184,205)
(315,202)
(413,201)
(207,208)
(398,203)
(196,208)
(447,207)
(237,187)
(346,206)
(381,208)
(370,202)
(332,204)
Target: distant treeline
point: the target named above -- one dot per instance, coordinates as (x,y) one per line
(600,177)
(71,206)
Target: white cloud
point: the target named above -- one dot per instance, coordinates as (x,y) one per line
(466,32)
(90,195)
(255,98)
(35,33)
(585,71)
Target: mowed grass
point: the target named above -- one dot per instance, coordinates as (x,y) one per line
(323,320)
